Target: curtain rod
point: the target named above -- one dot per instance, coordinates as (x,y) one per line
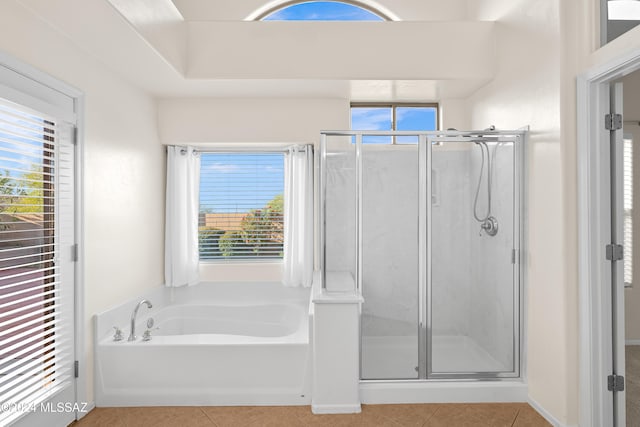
(228,148)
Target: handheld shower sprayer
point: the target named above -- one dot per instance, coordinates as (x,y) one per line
(488,223)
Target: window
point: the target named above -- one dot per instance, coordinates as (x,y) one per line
(618,17)
(323,11)
(407,117)
(241,206)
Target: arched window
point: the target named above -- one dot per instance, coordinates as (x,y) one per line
(322,11)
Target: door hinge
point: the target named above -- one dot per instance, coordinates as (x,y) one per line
(74,136)
(76,369)
(74,252)
(613,121)
(614,252)
(514,256)
(615,383)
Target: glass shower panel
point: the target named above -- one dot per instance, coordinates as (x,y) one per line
(389,328)
(340,214)
(474,286)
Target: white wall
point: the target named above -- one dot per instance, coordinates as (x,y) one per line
(527,91)
(123,168)
(325,50)
(250,119)
(580,52)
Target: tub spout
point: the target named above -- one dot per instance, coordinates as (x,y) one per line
(132,335)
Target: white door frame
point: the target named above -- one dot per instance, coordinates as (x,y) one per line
(78,119)
(594,232)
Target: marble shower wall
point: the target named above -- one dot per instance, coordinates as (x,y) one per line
(492,287)
(472,274)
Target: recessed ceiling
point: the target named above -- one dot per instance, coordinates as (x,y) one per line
(147,43)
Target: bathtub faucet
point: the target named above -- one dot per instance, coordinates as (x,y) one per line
(132,336)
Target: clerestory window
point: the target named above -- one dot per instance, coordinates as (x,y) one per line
(323,11)
(393,116)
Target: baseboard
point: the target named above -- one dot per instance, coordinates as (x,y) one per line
(632,342)
(546,415)
(372,392)
(88,407)
(336,409)
(186,397)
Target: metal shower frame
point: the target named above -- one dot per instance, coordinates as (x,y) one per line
(426,140)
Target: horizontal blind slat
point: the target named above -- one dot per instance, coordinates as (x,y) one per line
(29,369)
(33,280)
(40,338)
(43,298)
(45,245)
(22,364)
(28,315)
(46,319)
(6,347)
(22,309)
(38,346)
(12,113)
(27,387)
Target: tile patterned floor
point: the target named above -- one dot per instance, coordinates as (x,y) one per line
(409,415)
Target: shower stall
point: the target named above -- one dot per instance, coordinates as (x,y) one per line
(428,228)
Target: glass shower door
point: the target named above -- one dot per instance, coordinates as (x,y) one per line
(473,324)
(389,220)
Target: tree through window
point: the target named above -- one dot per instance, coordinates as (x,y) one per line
(241,205)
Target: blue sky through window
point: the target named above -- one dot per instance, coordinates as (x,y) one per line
(381,118)
(21,144)
(322,11)
(239,182)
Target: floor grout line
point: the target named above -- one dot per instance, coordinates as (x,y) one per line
(516,418)
(432,415)
(208,417)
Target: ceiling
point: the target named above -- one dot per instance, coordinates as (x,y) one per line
(148,43)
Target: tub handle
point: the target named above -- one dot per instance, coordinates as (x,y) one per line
(147,334)
(117,336)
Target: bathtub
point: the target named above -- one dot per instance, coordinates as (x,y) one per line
(216,344)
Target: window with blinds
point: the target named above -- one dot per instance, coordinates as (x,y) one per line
(627,153)
(241,212)
(36,276)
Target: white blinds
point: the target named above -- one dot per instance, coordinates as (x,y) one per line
(36,265)
(627,154)
(241,205)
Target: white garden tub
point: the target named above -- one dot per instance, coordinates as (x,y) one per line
(217,344)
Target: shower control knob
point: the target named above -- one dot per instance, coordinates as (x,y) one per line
(490,226)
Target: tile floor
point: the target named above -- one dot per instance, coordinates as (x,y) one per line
(427,415)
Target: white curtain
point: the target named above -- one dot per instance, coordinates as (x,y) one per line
(181,256)
(298,216)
